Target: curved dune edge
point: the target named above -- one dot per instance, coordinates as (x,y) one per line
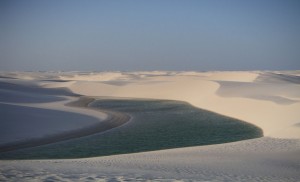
(276,120)
(114,119)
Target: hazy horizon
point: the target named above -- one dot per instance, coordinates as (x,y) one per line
(208,35)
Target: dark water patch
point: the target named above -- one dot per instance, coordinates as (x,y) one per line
(19,124)
(156,124)
(34,89)
(7,77)
(56,80)
(297,124)
(116,82)
(277,77)
(19,93)
(26,97)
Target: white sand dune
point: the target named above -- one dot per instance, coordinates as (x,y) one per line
(263,159)
(259,102)
(269,100)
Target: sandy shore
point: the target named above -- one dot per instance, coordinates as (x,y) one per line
(257,96)
(114,119)
(269,100)
(263,159)
(37,124)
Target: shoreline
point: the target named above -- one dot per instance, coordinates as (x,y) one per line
(114,119)
(257,159)
(274,157)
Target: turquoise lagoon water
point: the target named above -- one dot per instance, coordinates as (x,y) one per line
(155,125)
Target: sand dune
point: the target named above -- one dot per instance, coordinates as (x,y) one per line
(265,104)
(262,159)
(268,99)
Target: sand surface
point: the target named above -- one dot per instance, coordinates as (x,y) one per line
(270,100)
(263,159)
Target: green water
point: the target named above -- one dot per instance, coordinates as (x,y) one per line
(156,124)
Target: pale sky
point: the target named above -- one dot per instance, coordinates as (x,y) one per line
(129,35)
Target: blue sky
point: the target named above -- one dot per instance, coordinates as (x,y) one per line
(130,35)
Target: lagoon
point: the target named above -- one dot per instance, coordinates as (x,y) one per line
(154,125)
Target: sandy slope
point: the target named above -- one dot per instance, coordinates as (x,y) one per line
(268,99)
(269,102)
(263,159)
